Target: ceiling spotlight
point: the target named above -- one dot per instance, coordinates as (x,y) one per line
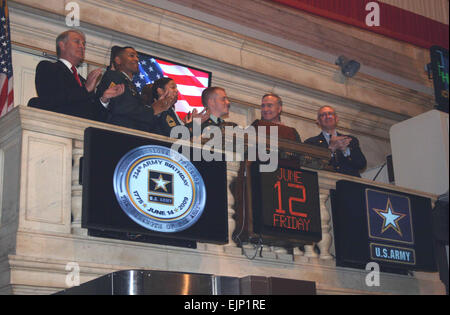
(348,67)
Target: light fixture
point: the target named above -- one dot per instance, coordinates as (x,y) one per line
(348,67)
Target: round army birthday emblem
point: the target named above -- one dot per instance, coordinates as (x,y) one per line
(159,189)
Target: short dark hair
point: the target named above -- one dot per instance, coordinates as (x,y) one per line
(114,52)
(63,38)
(160,83)
(208,93)
(280,102)
(117,51)
(121,50)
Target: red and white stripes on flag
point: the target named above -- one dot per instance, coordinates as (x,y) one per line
(6,74)
(190,83)
(7,94)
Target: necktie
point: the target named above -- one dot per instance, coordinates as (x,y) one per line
(75,74)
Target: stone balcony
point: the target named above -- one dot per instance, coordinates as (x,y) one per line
(41,235)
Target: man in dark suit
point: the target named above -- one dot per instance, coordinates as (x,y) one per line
(129,109)
(346,155)
(59,87)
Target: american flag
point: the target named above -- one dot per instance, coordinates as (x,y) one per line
(6,74)
(190,82)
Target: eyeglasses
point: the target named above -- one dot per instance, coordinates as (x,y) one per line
(324,114)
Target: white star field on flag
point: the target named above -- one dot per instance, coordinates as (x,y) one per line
(190,82)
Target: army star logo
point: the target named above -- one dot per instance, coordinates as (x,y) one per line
(160,183)
(145,181)
(390,218)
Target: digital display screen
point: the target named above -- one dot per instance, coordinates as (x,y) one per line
(287,203)
(439,66)
(190,81)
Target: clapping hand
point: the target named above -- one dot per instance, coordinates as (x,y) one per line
(92,79)
(203,116)
(339,143)
(166,101)
(112,92)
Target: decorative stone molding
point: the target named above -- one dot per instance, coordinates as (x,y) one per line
(243,66)
(151,29)
(244,87)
